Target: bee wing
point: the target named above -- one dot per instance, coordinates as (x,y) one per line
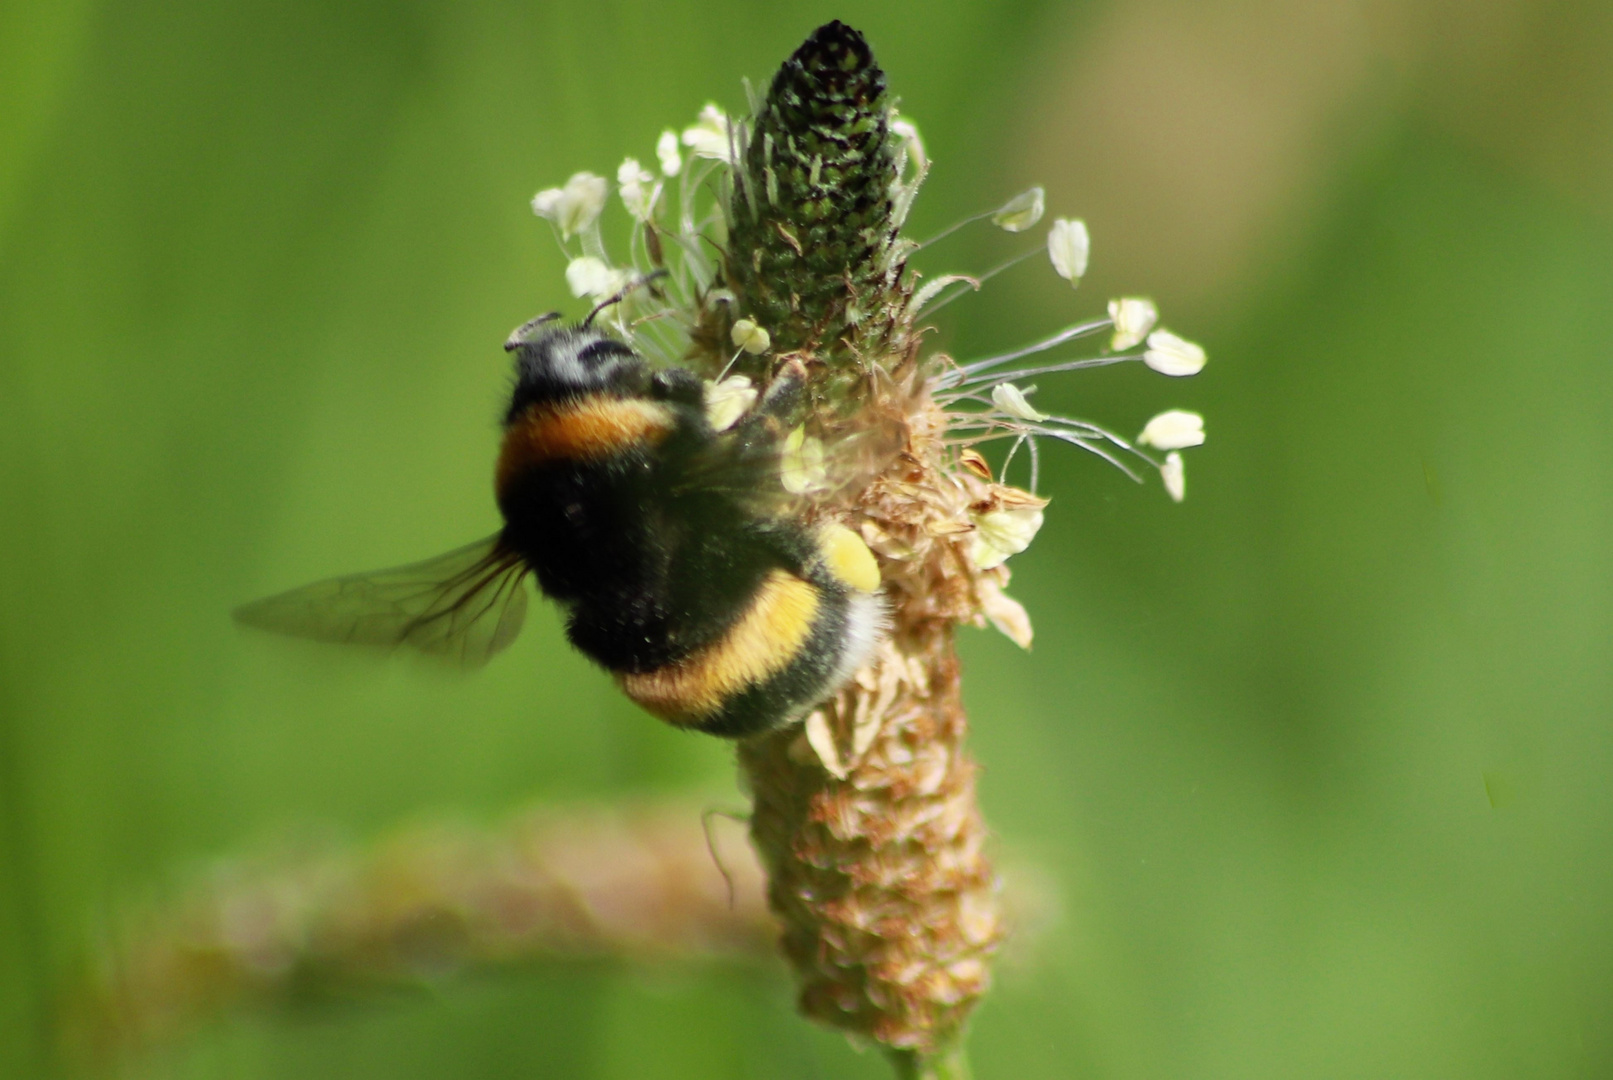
(740,467)
(462,607)
(749,465)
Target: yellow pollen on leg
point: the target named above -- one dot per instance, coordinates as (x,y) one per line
(848,558)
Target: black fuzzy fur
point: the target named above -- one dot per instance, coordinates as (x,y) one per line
(657,551)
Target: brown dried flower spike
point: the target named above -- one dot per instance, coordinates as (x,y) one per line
(865,815)
(327,922)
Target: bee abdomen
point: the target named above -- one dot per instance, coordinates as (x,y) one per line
(795,642)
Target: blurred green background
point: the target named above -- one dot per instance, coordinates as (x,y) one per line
(1318,762)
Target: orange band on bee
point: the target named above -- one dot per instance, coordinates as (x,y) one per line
(762,643)
(584,430)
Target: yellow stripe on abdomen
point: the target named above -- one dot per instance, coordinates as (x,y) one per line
(761,644)
(584,430)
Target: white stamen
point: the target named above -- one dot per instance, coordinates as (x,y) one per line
(1133,318)
(1171,473)
(1001,533)
(1174,429)
(574,207)
(638,189)
(1068,246)
(1050,369)
(728,400)
(1021,212)
(1011,400)
(746,335)
(709,137)
(666,148)
(588,276)
(1068,334)
(1171,355)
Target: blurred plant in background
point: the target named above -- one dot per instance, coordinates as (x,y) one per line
(319,923)
(1318,758)
(322,923)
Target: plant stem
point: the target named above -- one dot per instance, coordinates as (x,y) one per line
(949,1064)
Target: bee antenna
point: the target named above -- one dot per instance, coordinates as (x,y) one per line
(619,297)
(519,335)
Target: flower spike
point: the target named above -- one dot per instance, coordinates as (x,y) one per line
(782,286)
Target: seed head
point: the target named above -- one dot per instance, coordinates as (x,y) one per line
(865,816)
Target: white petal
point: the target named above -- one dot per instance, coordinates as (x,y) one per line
(802,470)
(709,137)
(750,337)
(588,276)
(1133,318)
(1020,212)
(1171,355)
(1174,429)
(666,148)
(1011,400)
(1068,246)
(728,400)
(1171,473)
(1001,533)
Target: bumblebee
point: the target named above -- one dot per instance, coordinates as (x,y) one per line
(669,544)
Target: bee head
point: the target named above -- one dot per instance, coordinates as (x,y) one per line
(554,363)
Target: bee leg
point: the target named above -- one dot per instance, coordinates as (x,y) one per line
(787,542)
(787,393)
(678,386)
